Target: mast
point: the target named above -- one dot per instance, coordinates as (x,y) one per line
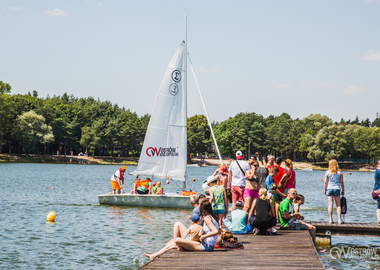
(185,95)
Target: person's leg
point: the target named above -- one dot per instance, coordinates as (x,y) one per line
(313,231)
(247,202)
(220,219)
(179,230)
(119,191)
(277,208)
(235,196)
(187,244)
(169,245)
(330,207)
(338,208)
(378,212)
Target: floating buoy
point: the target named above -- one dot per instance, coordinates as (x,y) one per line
(52,187)
(193,179)
(51,216)
(167,182)
(154,184)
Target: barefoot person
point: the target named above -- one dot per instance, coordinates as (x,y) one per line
(333,186)
(207,240)
(289,219)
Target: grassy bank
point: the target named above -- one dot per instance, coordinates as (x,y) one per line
(6,158)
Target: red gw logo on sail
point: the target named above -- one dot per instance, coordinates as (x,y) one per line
(161,152)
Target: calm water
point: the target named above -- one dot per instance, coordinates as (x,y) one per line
(89,236)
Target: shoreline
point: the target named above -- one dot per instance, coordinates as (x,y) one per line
(104,160)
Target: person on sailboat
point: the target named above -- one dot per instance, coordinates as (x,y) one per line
(157,189)
(142,186)
(117,180)
(236,178)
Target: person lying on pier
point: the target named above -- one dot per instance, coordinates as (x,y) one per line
(239,220)
(207,240)
(195,230)
(142,186)
(157,189)
(288,217)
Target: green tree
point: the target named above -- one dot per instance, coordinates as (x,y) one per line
(5,87)
(31,129)
(198,134)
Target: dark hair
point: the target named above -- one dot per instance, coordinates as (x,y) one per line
(202,196)
(274,169)
(278,160)
(206,209)
(299,197)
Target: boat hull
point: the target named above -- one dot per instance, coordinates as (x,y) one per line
(162,201)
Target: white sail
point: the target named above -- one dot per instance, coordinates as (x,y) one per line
(164,153)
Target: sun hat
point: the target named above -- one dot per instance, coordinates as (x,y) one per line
(239,203)
(211,179)
(195,218)
(222,169)
(239,155)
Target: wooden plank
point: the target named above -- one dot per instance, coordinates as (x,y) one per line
(260,252)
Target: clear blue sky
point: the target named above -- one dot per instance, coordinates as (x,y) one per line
(269,57)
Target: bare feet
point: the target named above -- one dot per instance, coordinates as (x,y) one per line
(181,249)
(150,256)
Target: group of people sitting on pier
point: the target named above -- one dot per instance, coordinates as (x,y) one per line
(262,193)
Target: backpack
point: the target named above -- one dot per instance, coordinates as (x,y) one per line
(343,205)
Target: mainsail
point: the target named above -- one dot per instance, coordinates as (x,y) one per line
(164,153)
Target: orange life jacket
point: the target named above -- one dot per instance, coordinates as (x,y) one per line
(143,183)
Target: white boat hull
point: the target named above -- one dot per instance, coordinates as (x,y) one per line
(168,200)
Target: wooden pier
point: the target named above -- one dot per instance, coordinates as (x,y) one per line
(349,228)
(285,250)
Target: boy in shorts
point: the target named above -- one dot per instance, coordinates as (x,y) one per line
(195,231)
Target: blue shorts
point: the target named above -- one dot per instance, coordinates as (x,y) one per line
(206,247)
(216,212)
(333,192)
(378,204)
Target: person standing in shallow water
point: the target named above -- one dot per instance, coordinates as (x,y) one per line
(376,187)
(334,187)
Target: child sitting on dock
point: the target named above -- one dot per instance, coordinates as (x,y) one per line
(239,221)
(300,200)
(195,231)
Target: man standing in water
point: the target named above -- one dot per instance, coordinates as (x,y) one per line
(236,178)
(117,179)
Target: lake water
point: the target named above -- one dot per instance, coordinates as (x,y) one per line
(86,235)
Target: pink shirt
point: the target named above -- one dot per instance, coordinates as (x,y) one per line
(290,182)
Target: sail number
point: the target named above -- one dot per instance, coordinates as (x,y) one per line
(176,75)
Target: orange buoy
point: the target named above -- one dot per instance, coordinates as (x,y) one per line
(167,182)
(52,187)
(193,179)
(154,184)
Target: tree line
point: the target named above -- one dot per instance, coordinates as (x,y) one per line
(30,124)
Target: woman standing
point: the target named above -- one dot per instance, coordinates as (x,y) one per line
(251,191)
(333,187)
(376,187)
(291,179)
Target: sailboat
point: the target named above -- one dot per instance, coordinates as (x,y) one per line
(164,153)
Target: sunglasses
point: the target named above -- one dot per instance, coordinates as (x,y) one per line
(294,193)
(255,165)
